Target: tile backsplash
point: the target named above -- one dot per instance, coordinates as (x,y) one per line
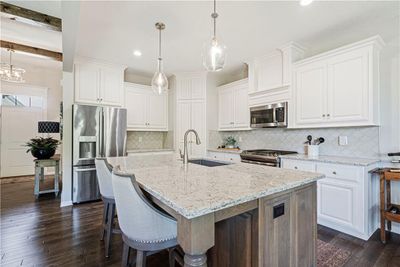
(147,140)
(362,141)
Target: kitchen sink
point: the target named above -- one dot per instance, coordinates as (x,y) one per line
(208,163)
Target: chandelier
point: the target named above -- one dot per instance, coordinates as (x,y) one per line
(11,73)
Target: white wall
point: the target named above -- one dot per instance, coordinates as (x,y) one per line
(68,99)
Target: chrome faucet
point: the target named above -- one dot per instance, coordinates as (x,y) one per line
(185,156)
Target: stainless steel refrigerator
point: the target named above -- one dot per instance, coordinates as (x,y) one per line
(97,132)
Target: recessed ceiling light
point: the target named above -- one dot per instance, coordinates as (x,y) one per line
(305,2)
(137,53)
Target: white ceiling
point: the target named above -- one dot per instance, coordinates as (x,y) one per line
(113,30)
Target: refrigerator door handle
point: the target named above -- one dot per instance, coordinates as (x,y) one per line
(101,133)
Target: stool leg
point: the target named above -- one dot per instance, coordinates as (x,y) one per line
(141,258)
(110,222)
(56,177)
(37,177)
(105,213)
(125,255)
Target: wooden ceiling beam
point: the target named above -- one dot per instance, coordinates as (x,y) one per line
(29,16)
(32,50)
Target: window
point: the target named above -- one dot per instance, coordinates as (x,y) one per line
(21,101)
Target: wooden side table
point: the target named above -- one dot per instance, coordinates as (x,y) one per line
(40,164)
(386,177)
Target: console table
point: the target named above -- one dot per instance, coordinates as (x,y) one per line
(40,164)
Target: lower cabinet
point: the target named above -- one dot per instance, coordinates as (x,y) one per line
(345,196)
(288,229)
(283,229)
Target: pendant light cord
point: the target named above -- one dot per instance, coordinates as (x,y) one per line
(215,16)
(159,45)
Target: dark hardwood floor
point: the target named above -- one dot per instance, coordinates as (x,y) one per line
(40,233)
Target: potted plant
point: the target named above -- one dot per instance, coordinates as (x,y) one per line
(42,148)
(230,142)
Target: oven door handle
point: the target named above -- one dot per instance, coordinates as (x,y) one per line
(85,170)
(260,163)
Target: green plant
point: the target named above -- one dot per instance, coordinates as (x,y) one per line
(230,141)
(47,143)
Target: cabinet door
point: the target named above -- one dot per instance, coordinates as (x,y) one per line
(136,105)
(348,87)
(340,205)
(310,93)
(226,108)
(87,83)
(198,122)
(157,111)
(241,107)
(183,118)
(111,86)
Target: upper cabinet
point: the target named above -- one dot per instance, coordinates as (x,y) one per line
(98,83)
(233,107)
(270,75)
(146,110)
(338,88)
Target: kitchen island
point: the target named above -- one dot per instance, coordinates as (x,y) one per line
(248,215)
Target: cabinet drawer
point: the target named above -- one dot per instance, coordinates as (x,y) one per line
(298,165)
(224,156)
(216,155)
(342,172)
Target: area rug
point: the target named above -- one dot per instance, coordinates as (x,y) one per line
(331,256)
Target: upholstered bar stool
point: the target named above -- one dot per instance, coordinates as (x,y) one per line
(144,228)
(104,177)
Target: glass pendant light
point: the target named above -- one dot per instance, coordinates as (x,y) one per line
(11,73)
(159,83)
(214,52)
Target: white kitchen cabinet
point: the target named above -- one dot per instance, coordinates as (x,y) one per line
(310,100)
(146,110)
(345,197)
(87,79)
(298,165)
(224,156)
(191,115)
(233,107)
(98,83)
(111,86)
(189,108)
(338,88)
(273,71)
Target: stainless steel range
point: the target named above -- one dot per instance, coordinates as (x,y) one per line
(264,156)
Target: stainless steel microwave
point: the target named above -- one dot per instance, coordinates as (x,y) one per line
(269,116)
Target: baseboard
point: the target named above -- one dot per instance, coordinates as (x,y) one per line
(66,203)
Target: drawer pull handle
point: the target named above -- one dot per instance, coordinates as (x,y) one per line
(334,172)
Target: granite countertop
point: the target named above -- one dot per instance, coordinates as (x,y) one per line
(232,151)
(149,150)
(198,190)
(334,159)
